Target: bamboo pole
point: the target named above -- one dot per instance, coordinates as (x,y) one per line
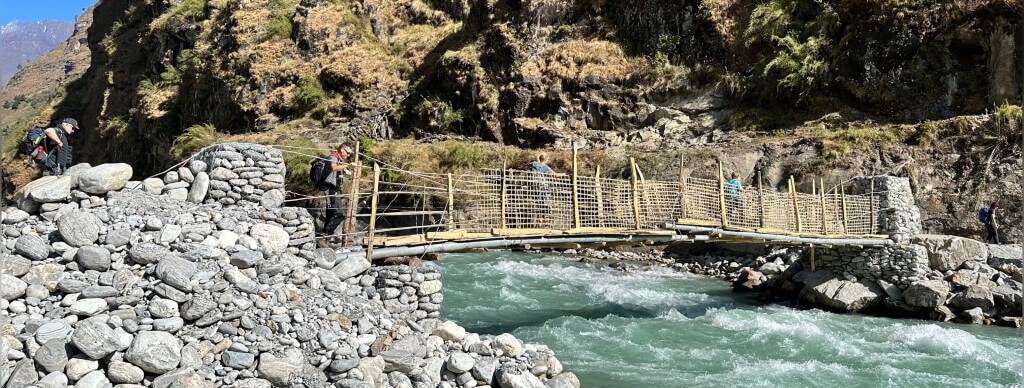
(600,201)
(577,223)
(373,210)
(451,202)
(871,207)
(636,194)
(644,192)
(504,195)
(721,194)
(846,216)
(824,218)
(682,186)
(814,187)
(796,207)
(350,222)
(760,198)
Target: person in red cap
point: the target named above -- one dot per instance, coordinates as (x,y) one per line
(59,158)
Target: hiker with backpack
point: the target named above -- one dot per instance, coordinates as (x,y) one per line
(733,189)
(326,175)
(987,216)
(51,147)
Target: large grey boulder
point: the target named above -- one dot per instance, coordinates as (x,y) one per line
(842,295)
(153,186)
(281,370)
(927,293)
(513,376)
(947,253)
(351,267)
(459,363)
(11,287)
(973,296)
(154,352)
(14,265)
(564,380)
(32,247)
(105,178)
(23,196)
(52,190)
(200,187)
(95,338)
(272,239)
(79,228)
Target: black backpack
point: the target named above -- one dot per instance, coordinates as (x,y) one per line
(319,170)
(33,139)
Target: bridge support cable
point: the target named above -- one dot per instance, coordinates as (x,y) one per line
(782,238)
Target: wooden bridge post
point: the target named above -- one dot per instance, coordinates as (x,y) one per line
(871,207)
(577,223)
(682,185)
(721,194)
(504,195)
(760,198)
(813,266)
(636,194)
(845,215)
(353,200)
(824,212)
(451,202)
(373,211)
(600,200)
(796,205)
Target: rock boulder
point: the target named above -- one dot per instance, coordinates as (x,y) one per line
(105,178)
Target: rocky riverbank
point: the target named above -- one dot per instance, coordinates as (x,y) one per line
(157,287)
(980,289)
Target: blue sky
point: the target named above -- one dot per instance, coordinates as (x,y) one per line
(32,10)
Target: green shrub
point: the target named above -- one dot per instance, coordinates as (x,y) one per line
(308,95)
(280,25)
(192,140)
(181,14)
(1009,121)
(453,155)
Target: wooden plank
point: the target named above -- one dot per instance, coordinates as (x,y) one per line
(451,202)
(646,210)
(577,222)
(600,200)
(636,194)
(393,241)
(796,206)
(813,267)
(458,234)
(526,232)
(504,195)
(650,232)
(353,199)
(373,209)
(721,194)
(696,222)
(557,246)
(593,230)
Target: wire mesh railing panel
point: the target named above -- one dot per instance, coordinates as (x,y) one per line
(703,200)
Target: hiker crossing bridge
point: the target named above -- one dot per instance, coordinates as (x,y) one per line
(409,213)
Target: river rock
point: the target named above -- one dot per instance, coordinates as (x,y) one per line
(154,352)
(272,199)
(564,380)
(53,380)
(52,190)
(484,369)
(927,293)
(23,374)
(16,266)
(842,295)
(280,370)
(79,367)
(200,187)
(459,363)
(237,360)
(400,361)
(54,329)
(11,288)
(153,186)
(176,272)
(510,377)
(124,373)
(104,178)
(350,267)
(973,296)
(947,253)
(95,379)
(46,275)
(450,331)
(79,228)
(148,253)
(509,345)
(94,258)
(95,338)
(88,307)
(32,247)
(272,239)
(52,357)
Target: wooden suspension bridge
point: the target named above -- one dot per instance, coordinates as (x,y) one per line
(410,213)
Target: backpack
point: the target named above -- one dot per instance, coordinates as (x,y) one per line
(34,139)
(319,170)
(984,215)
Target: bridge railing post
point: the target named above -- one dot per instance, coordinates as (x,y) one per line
(760,199)
(451,202)
(682,185)
(721,195)
(577,222)
(598,194)
(373,212)
(871,207)
(353,200)
(504,195)
(796,205)
(824,209)
(845,216)
(636,193)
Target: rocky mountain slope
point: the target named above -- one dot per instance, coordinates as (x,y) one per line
(23,42)
(792,87)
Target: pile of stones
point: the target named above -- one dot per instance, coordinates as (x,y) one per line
(129,288)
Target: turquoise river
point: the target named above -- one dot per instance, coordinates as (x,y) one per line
(660,328)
